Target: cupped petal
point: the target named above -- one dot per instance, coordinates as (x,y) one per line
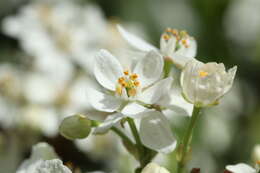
(167,47)
(179,60)
(134,110)
(149,68)
(134,41)
(103,102)
(231,76)
(156,92)
(189,51)
(109,122)
(155,132)
(154,168)
(107,69)
(240,168)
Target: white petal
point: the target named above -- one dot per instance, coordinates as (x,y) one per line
(155,133)
(102,101)
(155,93)
(40,151)
(134,110)
(134,41)
(48,166)
(240,168)
(107,69)
(154,168)
(110,121)
(149,68)
(180,60)
(190,51)
(231,74)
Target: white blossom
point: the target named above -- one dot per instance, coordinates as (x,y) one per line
(242,168)
(154,168)
(175,45)
(126,93)
(204,84)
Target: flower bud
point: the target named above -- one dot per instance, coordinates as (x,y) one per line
(204,84)
(75,127)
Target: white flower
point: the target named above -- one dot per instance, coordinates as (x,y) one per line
(174,44)
(256,152)
(154,168)
(204,84)
(242,168)
(127,92)
(47,166)
(40,151)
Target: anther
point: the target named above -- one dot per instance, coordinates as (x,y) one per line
(126,72)
(258,162)
(121,80)
(168,30)
(132,92)
(203,73)
(136,83)
(134,76)
(166,37)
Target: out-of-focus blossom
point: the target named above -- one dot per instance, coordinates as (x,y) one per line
(237,23)
(128,92)
(256,153)
(154,168)
(242,168)
(204,84)
(175,45)
(40,152)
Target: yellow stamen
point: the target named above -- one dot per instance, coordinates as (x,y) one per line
(168,30)
(166,37)
(119,90)
(134,76)
(175,32)
(126,72)
(121,80)
(124,84)
(184,42)
(203,73)
(258,162)
(136,83)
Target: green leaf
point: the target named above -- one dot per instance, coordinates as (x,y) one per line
(75,127)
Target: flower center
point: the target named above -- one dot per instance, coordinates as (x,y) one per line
(128,83)
(203,73)
(181,37)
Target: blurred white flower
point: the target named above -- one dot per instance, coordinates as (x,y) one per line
(176,45)
(237,25)
(154,168)
(128,92)
(256,153)
(242,168)
(40,152)
(47,166)
(204,84)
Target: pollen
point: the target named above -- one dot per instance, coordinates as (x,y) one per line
(185,43)
(203,73)
(121,80)
(136,83)
(126,72)
(134,76)
(166,37)
(168,30)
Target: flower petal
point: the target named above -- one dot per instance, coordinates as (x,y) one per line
(240,168)
(189,51)
(134,41)
(107,69)
(134,110)
(149,68)
(180,60)
(103,102)
(157,91)
(110,121)
(154,168)
(155,133)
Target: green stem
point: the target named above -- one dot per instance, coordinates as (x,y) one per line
(122,135)
(139,144)
(187,139)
